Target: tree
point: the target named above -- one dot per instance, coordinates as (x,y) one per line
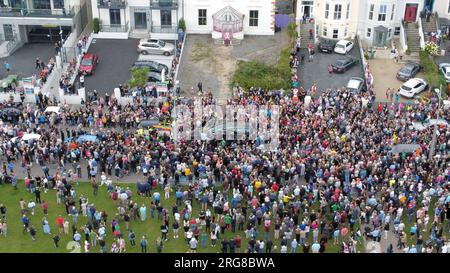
(96,25)
(291,30)
(139,77)
(182,25)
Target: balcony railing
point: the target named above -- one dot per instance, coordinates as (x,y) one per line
(164,4)
(165,29)
(111,4)
(114,28)
(48,13)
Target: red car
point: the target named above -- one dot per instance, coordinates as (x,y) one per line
(88,64)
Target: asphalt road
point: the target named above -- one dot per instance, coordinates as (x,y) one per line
(317,71)
(115,60)
(23,60)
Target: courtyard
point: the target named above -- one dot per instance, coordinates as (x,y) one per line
(23,60)
(214,64)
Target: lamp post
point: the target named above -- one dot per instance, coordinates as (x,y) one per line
(433,142)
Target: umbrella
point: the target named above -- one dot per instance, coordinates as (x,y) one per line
(53,109)
(405,148)
(85,138)
(27,137)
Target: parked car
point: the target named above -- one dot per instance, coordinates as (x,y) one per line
(408,71)
(429,122)
(445,70)
(155,46)
(356,85)
(344,64)
(343,47)
(153,66)
(88,64)
(326,46)
(413,87)
(155,77)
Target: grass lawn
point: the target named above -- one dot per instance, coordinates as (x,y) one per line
(17,242)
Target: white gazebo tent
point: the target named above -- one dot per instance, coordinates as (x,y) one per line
(228,25)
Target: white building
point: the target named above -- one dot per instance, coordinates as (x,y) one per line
(160,18)
(25,21)
(375,21)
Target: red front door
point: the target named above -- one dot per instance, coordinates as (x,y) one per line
(410,13)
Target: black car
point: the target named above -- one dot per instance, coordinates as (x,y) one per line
(408,71)
(153,66)
(154,77)
(344,64)
(326,46)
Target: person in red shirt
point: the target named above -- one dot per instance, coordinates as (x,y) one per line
(275,187)
(60,221)
(44,206)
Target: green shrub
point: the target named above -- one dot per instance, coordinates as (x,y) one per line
(258,74)
(139,77)
(182,25)
(291,30)
(432,75)
(96,25)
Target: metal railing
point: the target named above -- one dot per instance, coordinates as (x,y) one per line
(111,4)
(403,36)
(113,28)
(164,4)
(11,45)
(24,12)
(421,36)
(164,29)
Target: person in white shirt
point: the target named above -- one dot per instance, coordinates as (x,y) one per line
(193,244)
(315,247)
(31,206)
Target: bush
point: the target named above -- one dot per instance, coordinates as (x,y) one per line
(432,48)
(270,77)
(432,75)
(139,77)
(182,25)
(96,25)
(291,30)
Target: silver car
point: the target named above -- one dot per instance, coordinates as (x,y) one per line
(429,122)
(155,46)
(445,70)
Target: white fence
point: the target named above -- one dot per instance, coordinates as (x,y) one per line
(422,38)
(403,39)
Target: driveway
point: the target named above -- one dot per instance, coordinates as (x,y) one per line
(23,60)
(116,58)
(317,71)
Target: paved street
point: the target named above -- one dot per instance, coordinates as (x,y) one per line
(317,71)
(116,58)
(23,60)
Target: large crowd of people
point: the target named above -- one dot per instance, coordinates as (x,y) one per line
(334,182)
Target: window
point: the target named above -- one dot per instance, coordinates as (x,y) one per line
(390,32)
(327,10)
(392,12)
(202,17)
(345,32)
(369,32)
(335,33)
(372,7)
(382,13)
(324,31)
(114,16)
(397,31)
(58,4)
(253,18)
(348,11)
(448,11)
(337,12)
